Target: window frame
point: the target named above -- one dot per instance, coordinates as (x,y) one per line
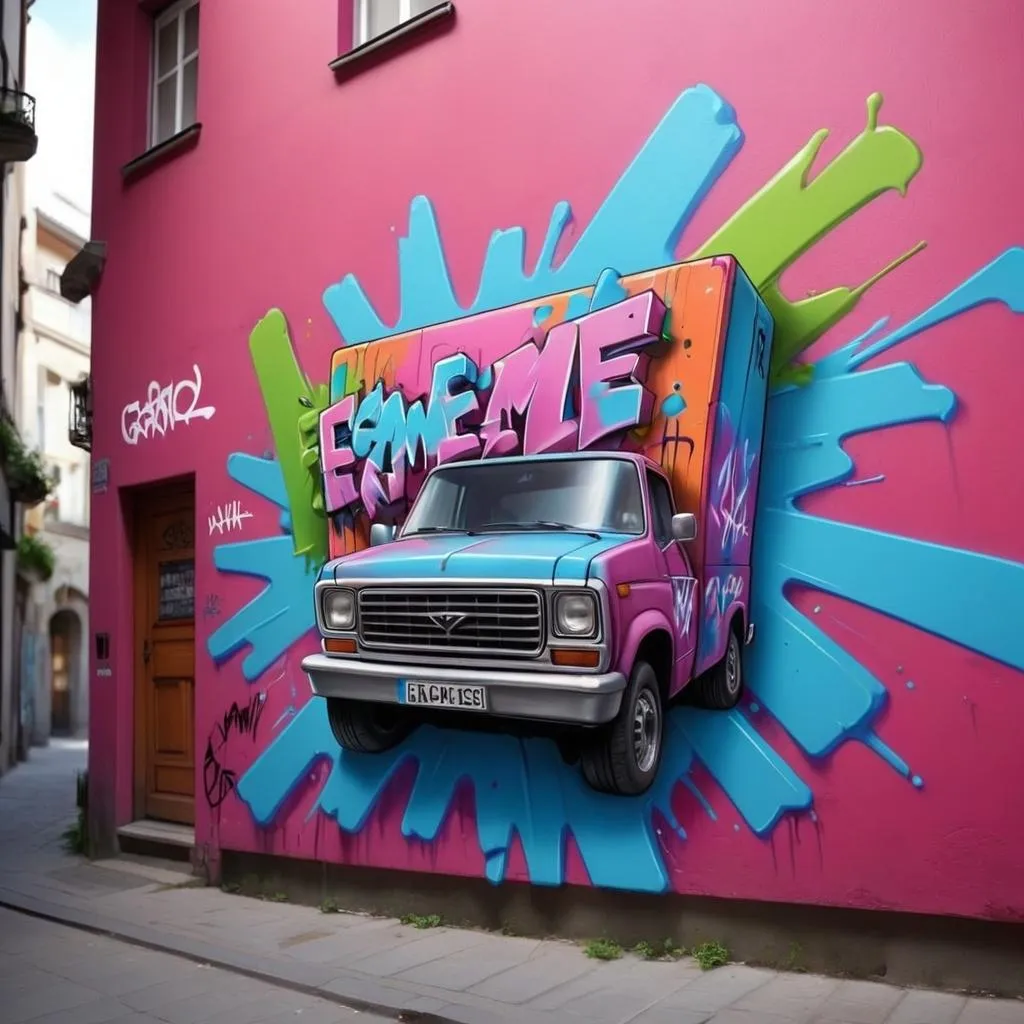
(361,19)
(176,12)
(654,481)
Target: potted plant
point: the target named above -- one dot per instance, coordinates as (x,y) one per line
(36,559)
(26,473)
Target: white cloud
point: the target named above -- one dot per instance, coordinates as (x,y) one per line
(60,71)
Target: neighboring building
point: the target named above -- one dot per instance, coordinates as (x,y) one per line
(54,356)
(271,187)
(17,144)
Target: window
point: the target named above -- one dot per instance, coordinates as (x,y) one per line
(53,407)
(375,17)
(71,501)
(561,494)
(53,280)
(661,508)
(175,70)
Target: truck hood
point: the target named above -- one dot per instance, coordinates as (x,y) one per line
(536,556)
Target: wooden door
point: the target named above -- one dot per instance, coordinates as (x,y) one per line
(60,672)
(165,655)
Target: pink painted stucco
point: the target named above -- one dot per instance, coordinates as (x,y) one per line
(300,177)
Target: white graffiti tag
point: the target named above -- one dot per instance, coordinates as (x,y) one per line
(733,491)
(720,594)
(164,408)
(227,518)
(682,601)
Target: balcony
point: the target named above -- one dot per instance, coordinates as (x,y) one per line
(18,139)
(80,414)
(56,315)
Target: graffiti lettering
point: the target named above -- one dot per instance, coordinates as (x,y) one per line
(211,606)
(218,779)
(581,386)
(164,408)
(227,518)
(719,595)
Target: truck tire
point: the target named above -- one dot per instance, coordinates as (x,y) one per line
(366,728)
(624,757)
(721,687)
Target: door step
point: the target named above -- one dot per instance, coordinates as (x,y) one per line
(157,839)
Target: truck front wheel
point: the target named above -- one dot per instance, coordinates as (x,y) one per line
(366,728)
(624,757)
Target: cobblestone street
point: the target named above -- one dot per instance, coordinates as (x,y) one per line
(188,955)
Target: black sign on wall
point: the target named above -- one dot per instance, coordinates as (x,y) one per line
(177,589)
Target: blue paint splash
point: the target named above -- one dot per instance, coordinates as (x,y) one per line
(637,226)
(521,787)
(283,611)
(673,404)
(906,579)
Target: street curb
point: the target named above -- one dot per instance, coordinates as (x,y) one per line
(242,964)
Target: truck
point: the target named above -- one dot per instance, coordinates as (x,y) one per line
(572,553)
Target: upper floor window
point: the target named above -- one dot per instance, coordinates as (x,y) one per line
(175,70)
(375,17)
(53,280)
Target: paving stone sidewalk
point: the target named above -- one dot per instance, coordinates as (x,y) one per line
(51,974)
(382,967)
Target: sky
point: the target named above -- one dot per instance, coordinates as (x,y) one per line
(60,71)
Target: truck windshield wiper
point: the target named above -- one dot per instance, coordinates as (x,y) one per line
(438,529)
(540,524)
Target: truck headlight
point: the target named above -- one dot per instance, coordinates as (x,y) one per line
(576,615)
(339,608)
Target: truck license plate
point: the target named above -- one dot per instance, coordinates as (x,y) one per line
(445,695)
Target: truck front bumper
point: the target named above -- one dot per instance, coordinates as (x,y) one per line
(543,696)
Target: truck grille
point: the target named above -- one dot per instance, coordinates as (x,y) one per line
(505,623)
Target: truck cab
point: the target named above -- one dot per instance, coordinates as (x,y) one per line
(560,587)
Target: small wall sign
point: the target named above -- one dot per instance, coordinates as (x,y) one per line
(100,475)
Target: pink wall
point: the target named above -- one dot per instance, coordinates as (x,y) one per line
(299,179)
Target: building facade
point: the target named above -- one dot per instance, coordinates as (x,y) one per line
(54,356)
(399,166)
(17,144)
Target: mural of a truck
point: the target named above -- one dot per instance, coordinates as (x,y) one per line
(560,532)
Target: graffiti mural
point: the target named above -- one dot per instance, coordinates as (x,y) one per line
(539,360)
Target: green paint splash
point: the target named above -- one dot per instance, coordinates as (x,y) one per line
(789,215)
(293,409)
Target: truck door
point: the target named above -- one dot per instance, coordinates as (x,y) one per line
(678,574)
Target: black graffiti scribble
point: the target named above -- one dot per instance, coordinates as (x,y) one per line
(178,536)
(211,606)
(218,779)
(761,339)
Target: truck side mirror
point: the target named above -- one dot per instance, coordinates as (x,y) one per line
(684,526)
(381,533)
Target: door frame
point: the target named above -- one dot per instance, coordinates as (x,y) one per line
(181,489)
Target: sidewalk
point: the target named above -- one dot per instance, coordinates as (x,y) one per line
(52,974)
(381,966)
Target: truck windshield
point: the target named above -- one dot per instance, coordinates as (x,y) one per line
(542,494)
